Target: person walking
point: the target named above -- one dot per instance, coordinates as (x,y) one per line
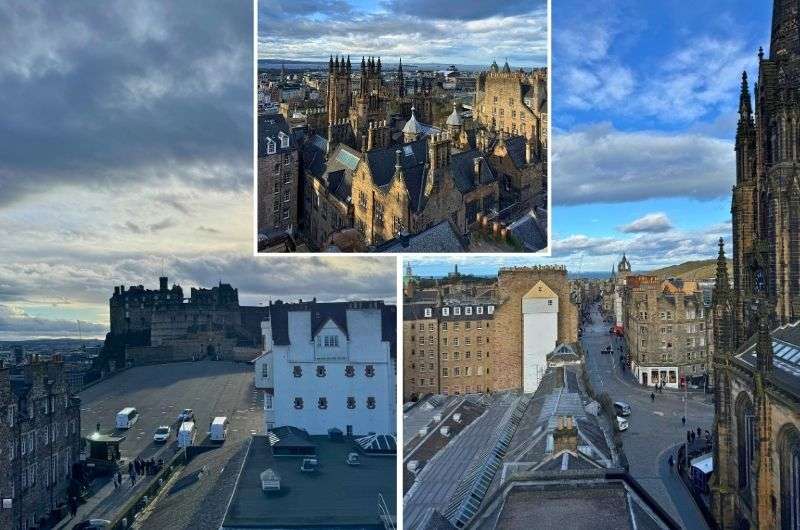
(119,477)
(683,420)
(652,396)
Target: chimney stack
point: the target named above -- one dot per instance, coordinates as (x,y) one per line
(476,174)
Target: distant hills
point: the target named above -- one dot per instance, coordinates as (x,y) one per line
(692,270)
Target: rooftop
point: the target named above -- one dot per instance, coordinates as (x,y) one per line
(336,495)
(441,237)
(785,357)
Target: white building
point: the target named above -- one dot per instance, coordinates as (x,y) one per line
(539,333)
(329,365)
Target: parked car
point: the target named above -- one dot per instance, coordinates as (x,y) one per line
(162,434)
(92,524)
(622,408)
(622,424)
(186,415)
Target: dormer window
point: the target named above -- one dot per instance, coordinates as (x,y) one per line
(349,371)
(351,403)
(428,312)
(320,371)
(270,146)
(284,139)
(479,310)
(370,402)
(445,311)
(297,371)
(331,341)
(457,311)
(369,370)
(490,309)
(322,403)
(468,310)
(298,403)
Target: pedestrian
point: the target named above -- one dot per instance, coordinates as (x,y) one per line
(119,477)
(688,436)
(130,467)
(671,461)
(652,396)
(133,480)
(683,420)
(692,435)
(699,432)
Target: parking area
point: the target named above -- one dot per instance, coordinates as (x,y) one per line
(160,393)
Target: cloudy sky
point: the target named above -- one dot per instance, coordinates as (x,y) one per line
(645,99)
(125,151)
(420,31)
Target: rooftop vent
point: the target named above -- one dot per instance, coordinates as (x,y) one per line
(457,417)
(412,465)
(445,431)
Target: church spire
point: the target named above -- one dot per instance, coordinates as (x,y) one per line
(785,41)
(745,108)
(722,285)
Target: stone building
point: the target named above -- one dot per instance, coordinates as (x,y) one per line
(161,325)
(40,442)
(278,175)
(418,184)
(665,330)
(756,482)
(618,279)
(469,335)
(514,102)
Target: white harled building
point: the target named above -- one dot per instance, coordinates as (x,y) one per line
(329,365)
(540,333)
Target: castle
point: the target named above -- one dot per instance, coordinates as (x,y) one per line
(149,325)
(756,328)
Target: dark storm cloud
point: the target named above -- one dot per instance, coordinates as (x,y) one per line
(124,95)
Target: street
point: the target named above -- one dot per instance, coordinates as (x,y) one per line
(159,393)
(655,429)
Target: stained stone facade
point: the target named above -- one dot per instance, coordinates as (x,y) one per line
(40,441)
(756,481)
(512,286)
(278,175)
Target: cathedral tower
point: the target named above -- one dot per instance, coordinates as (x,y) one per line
(339,89)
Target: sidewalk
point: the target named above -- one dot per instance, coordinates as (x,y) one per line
(104,503)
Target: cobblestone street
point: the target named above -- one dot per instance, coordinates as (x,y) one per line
(655,429)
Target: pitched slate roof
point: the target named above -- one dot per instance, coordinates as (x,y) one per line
(462,166)
(413,158)
(271,126)
(785,356)
(516,150)
(441,237)
(338,170)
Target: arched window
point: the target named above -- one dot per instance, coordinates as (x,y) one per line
(789,462)
(745,443)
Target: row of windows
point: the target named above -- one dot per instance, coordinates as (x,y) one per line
(466,371)
(60,464)
(454,341)
(43,406)
(349,371)
(422,381)
(445,311)
(322,403)
(44,436)
(691,314)
(455,325)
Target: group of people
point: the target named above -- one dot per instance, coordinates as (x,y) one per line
(137,468)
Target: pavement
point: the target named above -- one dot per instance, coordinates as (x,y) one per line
(656,430)
(159,393)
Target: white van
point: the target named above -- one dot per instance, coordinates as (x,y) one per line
(186,434)
(219,429)
(127,417)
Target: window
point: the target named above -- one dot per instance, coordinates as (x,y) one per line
(297,371)
(351,402)
(457,311)
(444,341)
(370,402)
(428,312)
(467,341)
(468,310)
(479,310)
(444,372)
(320,371)
(444,355)
(265,370)
(369,370)
(467,370)
(445,311)
(455,341)
(349,371)
(467,325)
(490,309)
(298,403)
(331,341)
(322,403)
(430,326)
(444,326)
(456,356)
(270,146)
(456,371)
(362,200)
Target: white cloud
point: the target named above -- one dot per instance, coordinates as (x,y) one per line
(651,223)
(602,164)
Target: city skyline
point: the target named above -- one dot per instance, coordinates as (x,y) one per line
(470,33)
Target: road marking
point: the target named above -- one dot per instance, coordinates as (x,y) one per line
(658,413)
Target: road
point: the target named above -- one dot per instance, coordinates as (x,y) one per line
(159,393)
(655,429)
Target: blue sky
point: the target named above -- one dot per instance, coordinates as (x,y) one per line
(644,104)
(420,31)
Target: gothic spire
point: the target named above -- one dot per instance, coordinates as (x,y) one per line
(330,63)
(745,108)
(722,286)
(363,63)
(348,63)
(785,39)
(379,63)
(336,63)
(764,343)
(400,68)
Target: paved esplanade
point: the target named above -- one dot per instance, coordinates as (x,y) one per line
(655,427)
(159,393)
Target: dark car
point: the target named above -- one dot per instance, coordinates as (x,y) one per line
(92,524)
(622,408)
